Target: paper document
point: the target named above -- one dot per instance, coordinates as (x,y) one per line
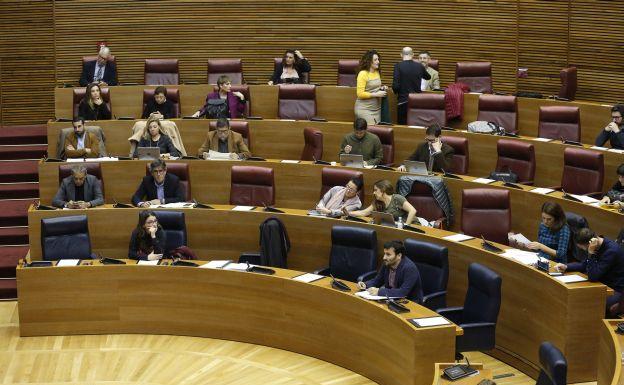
(308,277)
(416,126)
(68,262)
(217,264)
(216,155)
(584,198)
(542,139)
(148,263)
(176,205)
(366,295)
(288,120)
(542,190)
(483,180)
(520,239)
(457,237)
(243,208)
(289,161)
(103,159)
(424,222)
(429,321)
(616,150)
(237,266)
(524,257)
(571,278)
(599,148)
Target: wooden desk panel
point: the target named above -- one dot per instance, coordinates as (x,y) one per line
(298,186)
(535,307)
(483,155)
(267,310)
(336,104)
(610,354)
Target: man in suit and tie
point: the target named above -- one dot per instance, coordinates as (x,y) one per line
(79,190)
(407,79)
(223,139)
(100,71)
(158,188)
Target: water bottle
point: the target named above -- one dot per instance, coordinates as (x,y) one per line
(400,224)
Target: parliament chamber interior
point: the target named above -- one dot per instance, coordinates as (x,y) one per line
(311,192)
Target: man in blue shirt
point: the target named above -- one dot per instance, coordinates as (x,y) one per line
(398,277)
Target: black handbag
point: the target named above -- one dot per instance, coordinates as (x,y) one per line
(505,175)
(217,108)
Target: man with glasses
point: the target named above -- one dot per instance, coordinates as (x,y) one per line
(100,71)
(613,131)
(159,187)
(436,155)
(338,198)
(223,139)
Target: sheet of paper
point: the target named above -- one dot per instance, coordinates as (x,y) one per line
(542,190)
(308,277)
(524,257)
(616,150)
(416,126)
(243,208)
(288,120)
(520,238)
(74,160)
(217,264)
(571,278)
(103,159)
(148,263)
(542,139)
(366,295)
(584,198)
(424,222)
(289,161)
(216,155)
(483,180)
(599,148)
(68,262)
(430,321)
(176,205)
(457,237)
(236,266)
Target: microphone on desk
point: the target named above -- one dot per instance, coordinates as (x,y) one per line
(339,285)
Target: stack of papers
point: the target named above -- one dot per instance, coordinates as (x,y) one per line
(584,198)
(524,257)
(457,237)
(237,266)
(243,208)
(571,278)
(429,321)
(148,263)
(289,161)
(519,238)
(219,264)
(216,155)
(366,295)
(483,180)
(542,190)
(542,139)
(68,262)
(308,277)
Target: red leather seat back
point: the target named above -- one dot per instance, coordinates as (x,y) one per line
(425,109)
(435,64)
(583,171)
(347,72)
(386,136)
(232,68)
(93,168)
(305,76)
(240,126)
(79,94)
(297,101)
(252,186)
(461,155)
(558,122)
(517,156)
(181,170)
(568,78)
(421,197)
(313,144)
(173,95)
(486,212)
(477,75)
(333,176)
(161,72)
(500,109)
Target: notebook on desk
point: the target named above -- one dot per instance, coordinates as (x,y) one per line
(416,167)
(148,153)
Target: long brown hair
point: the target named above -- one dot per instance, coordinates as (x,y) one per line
(88,93)
(554,210)
(151,119)
(140,230)
(367,60)
(386,187)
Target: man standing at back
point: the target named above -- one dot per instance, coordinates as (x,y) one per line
(407,78)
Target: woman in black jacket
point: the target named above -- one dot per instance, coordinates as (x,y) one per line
(148,240)
(292,68)
(155,137)
(93,107)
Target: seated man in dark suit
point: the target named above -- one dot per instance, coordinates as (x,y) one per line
(79,190)
(437,156)
(101,71)
(398,277)
(158,188)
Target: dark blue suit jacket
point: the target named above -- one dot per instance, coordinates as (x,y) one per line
(88,70)
(407,281)
(174,192)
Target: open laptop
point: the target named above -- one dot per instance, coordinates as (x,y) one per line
(416,167)
(148,153)
(352,160)
(380,218)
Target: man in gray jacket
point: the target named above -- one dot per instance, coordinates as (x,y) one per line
(79,191)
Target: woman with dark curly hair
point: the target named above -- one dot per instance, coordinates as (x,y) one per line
(292,68)
(148,239)
(370,91)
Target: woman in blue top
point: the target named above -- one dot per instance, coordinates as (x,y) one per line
(553,236)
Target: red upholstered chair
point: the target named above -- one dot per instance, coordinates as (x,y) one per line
(161,72)
(296,101)
(111,59)
(486,212)
(425,109)
(79,94)
(517,156)
(181,170)
(421,197)
(173,95)
(333,176)
(305,76)
(499,109)
(240,126)
(347,72)
(313,147)
(477,75)
(386,136)
(233,68)
(557,122)
(252,186)
(583,172)
(568,78)
(243,89)
(460,157)
(93,168)
(435,64)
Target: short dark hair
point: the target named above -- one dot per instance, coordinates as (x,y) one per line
(620,169)
(398,247)
(423,53)
(584,235)
(360,124)
(157,163)
(434,130)
(160,90)
(357,182)
(618,108)
(78,119)
(222,80)
(222,122)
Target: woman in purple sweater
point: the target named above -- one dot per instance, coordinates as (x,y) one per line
(233,105)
